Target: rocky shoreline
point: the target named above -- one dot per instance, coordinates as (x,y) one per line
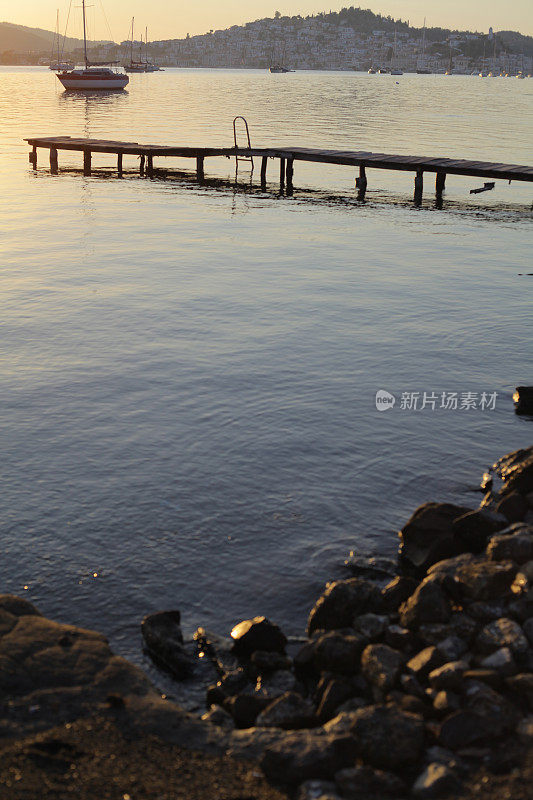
(413,684)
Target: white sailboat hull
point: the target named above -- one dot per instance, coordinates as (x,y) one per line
(91,82)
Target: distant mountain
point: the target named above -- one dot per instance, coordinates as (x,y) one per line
(19,39)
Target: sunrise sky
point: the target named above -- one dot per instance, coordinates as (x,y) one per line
(168,19)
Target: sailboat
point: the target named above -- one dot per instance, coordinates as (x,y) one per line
(135,66)
(95,75)
(150,66)
(423,70)
(58,65)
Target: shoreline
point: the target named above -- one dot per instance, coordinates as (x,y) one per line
(412,685)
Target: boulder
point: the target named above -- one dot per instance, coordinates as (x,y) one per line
(388,738)
(290,711)
(425,662)
(446,702)
(499,715)
(502,633)
(338,652)
(516,471)
(513,506)
(317,790)
(428,537)
(18,606)
(485,580)
(398,590)
(523,399)
(341,602)
(452,648)
(481,675)
(304,755)
(163,641)
(399,638)
(371,626)
(276,684)
(257,634)
(522,687)
(264,662)
(358,783)
(501,660)
(428,603)
(381,665)
(449,677)
(372,567)
(245,708)
(436,780)
(219,717)
(517,547)
(476,527)
(462,729)
(337,691)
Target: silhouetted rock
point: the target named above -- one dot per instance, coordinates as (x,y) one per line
(396,591)
(305,755)
(517,547)
(476,527)
(513,506)
(359,783)
(425,662)
(462,729)
(338,652)
(428,603)
(502,633)
(257,634)
(290,711)
(436,780)
(429,537)
(245,708)
(388,738)
(523,399)
(341,602)
(381,665)
(448,677)
(163,641)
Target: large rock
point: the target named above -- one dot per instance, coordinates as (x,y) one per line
(502,633)
(257,634)
(381,665)
(513,506)
(484,580)
(429,536)
(388,738)
(517,547)
(337,691)
(290,711)
(163,641)
(303,755)
(428,603)
(462,729)
(516,471)
(338,652)
(341,602)
(476,527)
(499,715)
(397,590)
(426,661)
(436,780)
(449,677)
(359,783)
(245,708)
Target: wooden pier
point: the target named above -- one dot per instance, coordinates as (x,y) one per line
(287,156)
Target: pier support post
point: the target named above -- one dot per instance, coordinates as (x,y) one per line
(282,164)
(119,164)
(440,183)
(264,162)
(361,183)
(290,174)
(419,186)
(200,169)
(141,166)
(87,162)
(33,157)
(53,161)
(150,166)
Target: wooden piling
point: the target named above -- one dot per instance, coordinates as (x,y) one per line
(264,163)
(361,182)
(440,182)
(199,169)
(53,161)
(141,166)
(290,174)
(87,162)
(282,164)
(119,164)
(33,157)
(419,186)
(150,166)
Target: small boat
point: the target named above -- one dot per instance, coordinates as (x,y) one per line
(57,65)
(277,68)
(95,75)
(135,66)
(382,71)
(371,71)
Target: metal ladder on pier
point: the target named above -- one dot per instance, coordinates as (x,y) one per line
(246,130)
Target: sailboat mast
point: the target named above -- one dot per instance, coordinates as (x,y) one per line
(57,26)
(85,36)
(131,48)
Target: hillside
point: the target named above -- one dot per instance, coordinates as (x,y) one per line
(20,39)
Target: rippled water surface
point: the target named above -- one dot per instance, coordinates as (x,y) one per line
(189,373)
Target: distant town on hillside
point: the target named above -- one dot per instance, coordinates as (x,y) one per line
(352,39)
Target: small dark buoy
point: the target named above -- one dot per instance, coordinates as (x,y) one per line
(523,399)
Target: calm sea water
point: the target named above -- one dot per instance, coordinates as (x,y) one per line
(188,374)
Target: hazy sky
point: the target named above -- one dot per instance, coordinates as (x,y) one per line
(168,19)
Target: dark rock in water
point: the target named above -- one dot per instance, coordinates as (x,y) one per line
(518,547)
(429,536)
(163,641)
(381,665)
(427,604)
(425,662)
(475,528)
(338,652)
(18,606)
(513,506)
(257,634)
(305,755)
(502,633)
(375,568)
(398,590)
(523,399)
(264,662)
(217,648)
(387,737)
(290,711)
(436,780)
(358,783)
(462,729)
(516,471)
(341,602)
(245,708)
